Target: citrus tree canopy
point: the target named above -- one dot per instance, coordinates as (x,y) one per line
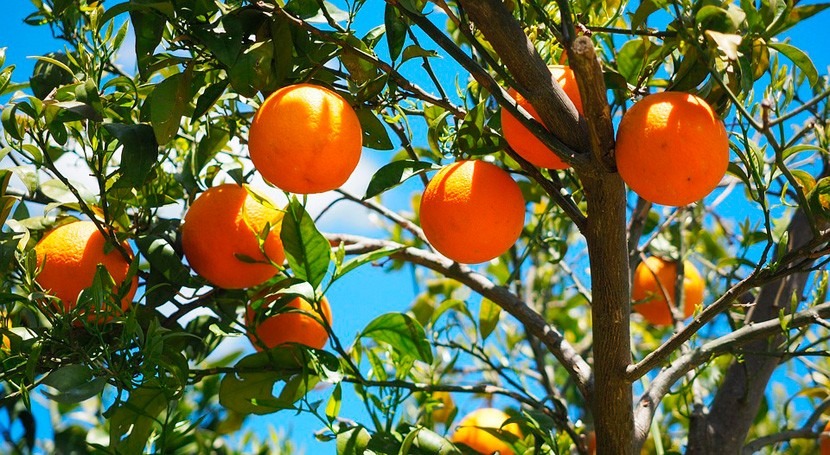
(615,217)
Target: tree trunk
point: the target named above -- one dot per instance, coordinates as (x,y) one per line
(724,428)
(607,251)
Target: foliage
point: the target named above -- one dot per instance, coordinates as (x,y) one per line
(153,137)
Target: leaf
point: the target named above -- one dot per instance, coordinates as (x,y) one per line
(249,390)
(167,104)
(488,317)
(395,31)
(375,135)
(162,257)
(366,258)
(402,333)
(307,250)
(140,150)
(73,384)
(395,173)
(353,441)
(726,43)
(253,70)
(333,406)
(414,51)
(136,416)
(209,97)
(800,59)
(148,28)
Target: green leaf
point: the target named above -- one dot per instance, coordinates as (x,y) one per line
(365,259)
(283,48)
(209,97)
(414,51)
(50,72)
(140,150)
(800,59)
(73,384)
(148,27)
(9,120)
(395,173)
(253,70)
(333,406)
(167,105)
(249,390)
(307,250)
(488,318)
(162,257)
(353,441)
(644,10)
(360,69)
(395,31)
(375,135)
(135,418)
(402,333)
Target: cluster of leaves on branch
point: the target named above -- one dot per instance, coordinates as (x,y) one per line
(515,332)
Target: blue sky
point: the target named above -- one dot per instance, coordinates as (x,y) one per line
(369,291)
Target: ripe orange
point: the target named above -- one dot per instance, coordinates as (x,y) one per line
(442,414)
(472,211)
(305,139)
(470,431)
(654,272)
(69,256)
(303,326)
(671,148)
(220,237)
(824,440)
(522,140)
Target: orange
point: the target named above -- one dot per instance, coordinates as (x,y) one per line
(522,140)
(654,272)
(672,149)
(442,414)
(305,139)
(220,237)
(824,440)
(472,211)
(299,323)
(69,256)
(470,431)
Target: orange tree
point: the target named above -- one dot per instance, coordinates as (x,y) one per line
(548,327)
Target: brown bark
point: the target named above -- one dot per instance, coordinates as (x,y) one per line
(612,404)
(723,429)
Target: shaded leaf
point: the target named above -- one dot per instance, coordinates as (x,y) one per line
(140,150)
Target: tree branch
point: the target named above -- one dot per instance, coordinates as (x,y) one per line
(576,366)
(649,401)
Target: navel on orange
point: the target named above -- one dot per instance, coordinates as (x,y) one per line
(305,139)
(672,149)
(220,238)
(472,211)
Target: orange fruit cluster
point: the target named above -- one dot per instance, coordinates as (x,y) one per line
(655,278)
(305,139)
(472,211)
(672,149)
(68,258)
(297,323)
(522,140)
(471,434)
